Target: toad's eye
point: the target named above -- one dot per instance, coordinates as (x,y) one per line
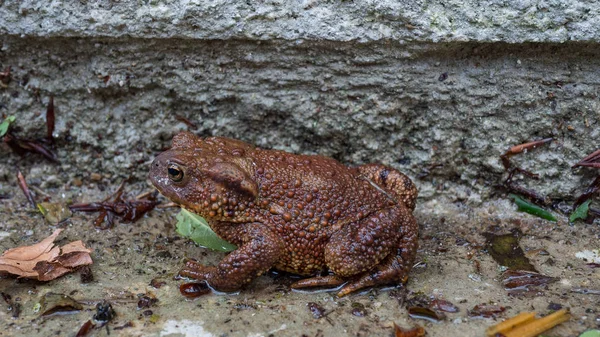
(175,172)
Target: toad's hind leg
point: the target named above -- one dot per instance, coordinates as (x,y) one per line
(392,181)
(357,247)
(397,264)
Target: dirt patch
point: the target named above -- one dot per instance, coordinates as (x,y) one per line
(453,266)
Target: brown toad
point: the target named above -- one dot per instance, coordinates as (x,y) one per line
(297,213)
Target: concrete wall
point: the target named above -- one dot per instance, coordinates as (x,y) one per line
(438,89)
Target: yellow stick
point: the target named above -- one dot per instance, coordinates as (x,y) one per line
(536,327)
(510,323)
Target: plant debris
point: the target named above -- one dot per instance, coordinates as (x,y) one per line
(586,291)
(486,310)
(511,186)
(421,306)
(23,185)
(591,160)
(58,304)
(532,209)
(443,305)
(316,310)
(21,146)
(417,331)
(581,212)
(13,307)
(5,78)
(359,310)
(146,301)
(6,124)
(156,283)
(196,228)
(589,192)
(194,289)
(54,212)
(85,274)
(590,333)
(85,329)
(522,282)
(426,314)
(521,148)
(126,210)
(191,125)
(526,325)
(44,261)
(506,251)
(50,120)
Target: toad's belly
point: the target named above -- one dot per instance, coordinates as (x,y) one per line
(303,257)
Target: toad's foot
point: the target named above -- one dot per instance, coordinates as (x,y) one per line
(195,270)
(392,270)
(318,281)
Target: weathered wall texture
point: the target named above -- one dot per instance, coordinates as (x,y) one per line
(438,89)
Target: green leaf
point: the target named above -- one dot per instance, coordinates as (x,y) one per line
(581,212)
(193,226)
(5,124)
(527,207)
(590,333)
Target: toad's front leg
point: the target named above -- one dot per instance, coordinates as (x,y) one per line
(258,250)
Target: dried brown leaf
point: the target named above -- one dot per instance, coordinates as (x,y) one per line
(43,260)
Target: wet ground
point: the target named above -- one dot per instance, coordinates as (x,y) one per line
(453,265)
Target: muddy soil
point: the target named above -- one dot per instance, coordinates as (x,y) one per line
(452,265)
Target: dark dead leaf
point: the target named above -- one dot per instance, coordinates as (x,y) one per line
(426,314)
(486,310)
(124,326)
(50,119)
(5,78)
(58,304)
(85,274)
(23,185)
(417,331)
(316,310)
(194,289)
(85,329)
(157,283)
(126,210)
(11,306)
(589,193)
(592,160)
(22,146)
(523,282)
(505,250)
(146,301)
(443,305)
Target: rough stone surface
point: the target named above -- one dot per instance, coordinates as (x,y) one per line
(443,113)
(371,20)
